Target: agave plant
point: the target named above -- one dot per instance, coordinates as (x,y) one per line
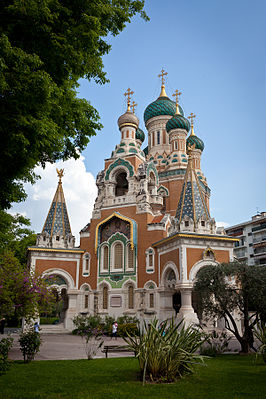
(166,351)
(260,334)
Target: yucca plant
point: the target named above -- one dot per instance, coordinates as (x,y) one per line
(166,351)
(260,334)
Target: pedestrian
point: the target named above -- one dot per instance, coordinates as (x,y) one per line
(36,327)
(2,325)
(114,329)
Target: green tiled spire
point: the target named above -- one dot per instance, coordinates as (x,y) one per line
(192,202)
(57,221)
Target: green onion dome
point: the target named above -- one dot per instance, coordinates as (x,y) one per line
(195,142)
(140,135)
(162,106)
(178,122)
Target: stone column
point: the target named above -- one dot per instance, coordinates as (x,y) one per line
(72,308)
(186,311)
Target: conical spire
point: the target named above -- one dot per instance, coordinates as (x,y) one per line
(57,221)
(192,202)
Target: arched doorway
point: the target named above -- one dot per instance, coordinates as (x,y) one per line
(57,313)
(176,302)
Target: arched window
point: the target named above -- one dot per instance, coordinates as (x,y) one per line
(158,137)
(105,297)
(150,260)
(151,183)
(130,297)
(151,304)
(118,255)
(130,257)
(86,301)
(86,264)
(105,258)
(121,184)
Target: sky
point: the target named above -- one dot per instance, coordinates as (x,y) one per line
(214,53)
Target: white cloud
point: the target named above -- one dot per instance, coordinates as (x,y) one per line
(222,224)
(79,188)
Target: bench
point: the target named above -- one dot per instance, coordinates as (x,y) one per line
(115,349)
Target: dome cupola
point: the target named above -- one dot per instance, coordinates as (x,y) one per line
(178,121)
(193,141)
(163,105)
(140,135)
(128,118)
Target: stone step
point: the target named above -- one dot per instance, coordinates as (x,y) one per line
(53,329)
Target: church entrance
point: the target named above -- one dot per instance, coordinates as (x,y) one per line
(57,313)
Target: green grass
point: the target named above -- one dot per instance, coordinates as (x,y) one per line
(223,377)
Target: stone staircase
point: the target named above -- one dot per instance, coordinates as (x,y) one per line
(53,329)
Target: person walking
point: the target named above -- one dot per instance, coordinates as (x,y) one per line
(114,329)
(36,327)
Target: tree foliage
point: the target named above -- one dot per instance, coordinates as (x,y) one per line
(46,47)
(21,293)
(16,235)
(233,288)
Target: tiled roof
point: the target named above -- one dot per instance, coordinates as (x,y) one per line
(192,202)
(57,221)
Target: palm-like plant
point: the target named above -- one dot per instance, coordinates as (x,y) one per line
(260,334)
(166,351)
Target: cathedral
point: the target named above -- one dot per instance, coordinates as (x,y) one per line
(151,228)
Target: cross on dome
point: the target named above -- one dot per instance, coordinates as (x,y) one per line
(128,94)
(192,117)
(134,106)
(176,95)
(162,75)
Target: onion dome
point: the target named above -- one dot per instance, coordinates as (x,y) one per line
(140,135)
(162,106)
(178,122)
(128,119)
(194,141)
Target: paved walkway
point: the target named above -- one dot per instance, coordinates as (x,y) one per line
(69,347)
(63,347)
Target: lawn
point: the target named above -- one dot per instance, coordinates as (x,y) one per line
(223,377)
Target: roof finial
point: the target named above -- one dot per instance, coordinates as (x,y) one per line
(192,117)
(128,94)
(60,174)
(176,95)
(162,75)
(134,106)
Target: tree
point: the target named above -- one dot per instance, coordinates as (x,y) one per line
(46,47)
(16,235)
(233,287)
(21,293)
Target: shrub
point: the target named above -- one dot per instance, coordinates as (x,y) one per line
(166,351)
(5,346)
(126,329)
(216,343)
(49,320)
(30,342)
(84,322)
(260,334)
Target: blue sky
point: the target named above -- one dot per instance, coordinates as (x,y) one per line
(214,53)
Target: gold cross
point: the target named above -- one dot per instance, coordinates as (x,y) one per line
(192,117)
(60,174)
(128,94)
(134,106)
(162,75)
(176,95)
